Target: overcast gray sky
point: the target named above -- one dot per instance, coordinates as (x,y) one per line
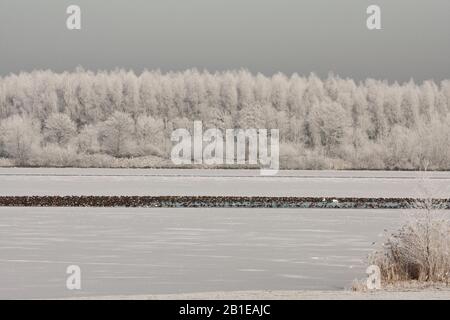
(265,36)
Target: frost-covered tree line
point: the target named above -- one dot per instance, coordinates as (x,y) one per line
(118,118)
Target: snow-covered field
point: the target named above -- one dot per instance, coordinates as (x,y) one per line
(15,181)
(438,293)
(168,251)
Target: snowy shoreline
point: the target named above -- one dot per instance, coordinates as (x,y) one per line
(426,294)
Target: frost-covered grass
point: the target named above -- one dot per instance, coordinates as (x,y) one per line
(419,252)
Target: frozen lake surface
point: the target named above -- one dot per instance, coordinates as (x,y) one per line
(163,182)
(157,251)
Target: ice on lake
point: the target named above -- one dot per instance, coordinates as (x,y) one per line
(156,251)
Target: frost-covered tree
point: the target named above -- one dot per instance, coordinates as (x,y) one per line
(328,125)
(116,134)
(251,117)
(228,94)
(59,129)
(244,86)
(279,95)
(87,140)
(149,134)
(20,138)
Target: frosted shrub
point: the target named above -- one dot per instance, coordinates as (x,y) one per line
(56,156)
(97,161)
(290,155)
(419,251)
